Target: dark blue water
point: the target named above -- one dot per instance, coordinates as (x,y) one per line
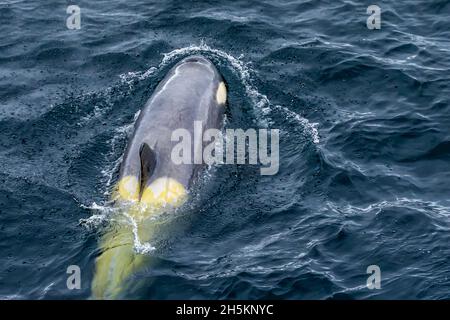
(364,147)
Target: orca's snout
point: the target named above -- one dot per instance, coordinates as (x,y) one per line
(197,59)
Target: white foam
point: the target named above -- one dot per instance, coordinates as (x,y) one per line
(139,247)
(105,213)
(132,76)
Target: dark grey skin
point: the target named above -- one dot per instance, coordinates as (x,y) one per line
(186,94)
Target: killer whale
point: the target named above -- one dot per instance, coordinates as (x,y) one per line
(192,91)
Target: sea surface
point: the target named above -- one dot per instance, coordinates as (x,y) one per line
(364,119)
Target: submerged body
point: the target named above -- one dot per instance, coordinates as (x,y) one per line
(192,91)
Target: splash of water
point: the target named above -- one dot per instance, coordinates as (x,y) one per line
(139,247)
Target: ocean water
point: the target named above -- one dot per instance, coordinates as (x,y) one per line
(364,171)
